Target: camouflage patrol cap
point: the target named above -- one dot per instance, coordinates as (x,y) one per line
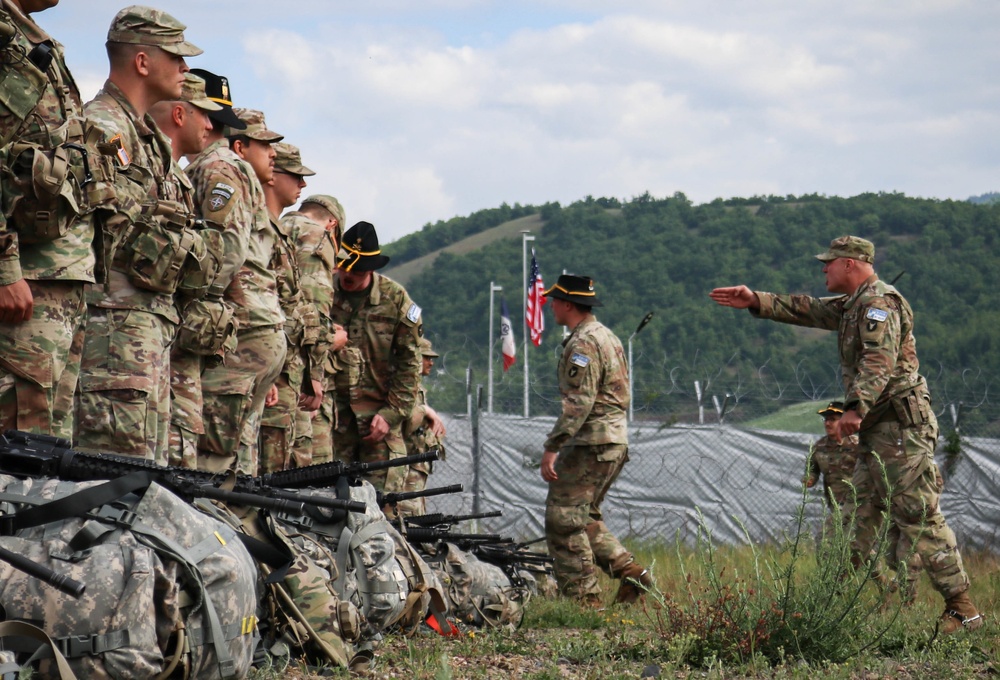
(833,409)
(426,349)
(288,159)
(139,25)
(573,288)
(852,247)
(256,127)
(193,92)
(328,203)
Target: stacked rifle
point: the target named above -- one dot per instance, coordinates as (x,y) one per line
(513,557)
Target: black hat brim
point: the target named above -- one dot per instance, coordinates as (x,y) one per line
(368,263)
(227,117)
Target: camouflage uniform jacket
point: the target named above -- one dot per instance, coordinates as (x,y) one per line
(594,383)
(301,319)
(878,355)
(385,327)
(144,166)
(228,193)
(835,463)
(71,256)
(316,259)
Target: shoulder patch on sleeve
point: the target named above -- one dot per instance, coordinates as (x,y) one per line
(413,313)
(877,314)
(580,360)
(219,196)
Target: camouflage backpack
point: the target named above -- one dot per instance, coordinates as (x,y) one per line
(359,550)
(480,594)
(168,590)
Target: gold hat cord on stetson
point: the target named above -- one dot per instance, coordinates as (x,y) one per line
(357,255)
(558,287)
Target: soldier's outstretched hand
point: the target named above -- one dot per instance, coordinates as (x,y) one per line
(739,297)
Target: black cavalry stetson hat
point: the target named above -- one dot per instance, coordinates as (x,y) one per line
(573,288)
(359,249)
(217,89)
(834,408)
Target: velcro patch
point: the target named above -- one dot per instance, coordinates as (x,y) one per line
(877,314)
(413,313)
(579,360)
(120,153)
(220,195)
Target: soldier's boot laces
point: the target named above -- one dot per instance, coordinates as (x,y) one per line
(636,580)
(960,613)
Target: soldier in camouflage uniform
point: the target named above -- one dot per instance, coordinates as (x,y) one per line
(887,403)
(300,384)
(384,324)
(186,123)
(123,399)
(423,431)
(44,262)
(831,460)
(586,450)
(227,177)
(315,229)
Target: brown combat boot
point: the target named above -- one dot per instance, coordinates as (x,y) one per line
(959,613)
(636,580)
(591,601)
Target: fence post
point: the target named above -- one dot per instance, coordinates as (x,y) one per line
(477,450)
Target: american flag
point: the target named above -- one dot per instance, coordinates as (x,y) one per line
(536,300)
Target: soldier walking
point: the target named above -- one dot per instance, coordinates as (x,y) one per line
(586,451)
(887,404)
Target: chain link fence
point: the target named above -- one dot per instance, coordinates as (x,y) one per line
(729,455)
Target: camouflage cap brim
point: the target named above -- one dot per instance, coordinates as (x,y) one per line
(205,104)
(263,135)
(182,49)
(300,170)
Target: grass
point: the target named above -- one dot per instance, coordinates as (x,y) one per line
(558,639)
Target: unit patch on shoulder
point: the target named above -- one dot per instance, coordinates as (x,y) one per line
(120,153)
(413,313)
(220,195)
(877,314)
(579,360)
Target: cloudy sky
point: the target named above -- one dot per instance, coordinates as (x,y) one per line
(415,111)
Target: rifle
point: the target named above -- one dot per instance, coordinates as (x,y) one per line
(440,519)
(394,497)
(36,455)
(433,535)
(60,582)
(326,474)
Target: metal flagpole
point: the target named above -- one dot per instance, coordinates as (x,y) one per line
(525,237)
(489,383)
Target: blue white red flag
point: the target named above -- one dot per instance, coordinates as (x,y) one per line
(507,347)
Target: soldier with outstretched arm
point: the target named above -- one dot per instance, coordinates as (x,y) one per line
(887,404)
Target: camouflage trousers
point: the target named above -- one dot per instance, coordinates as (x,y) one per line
(909,490)
(233,394)
(349,446)
(577,537)
(40,361)
(123,399)
(416,480)
(322,430)
(277,428)
(186,406)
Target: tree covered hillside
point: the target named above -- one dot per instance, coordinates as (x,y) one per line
(664,255)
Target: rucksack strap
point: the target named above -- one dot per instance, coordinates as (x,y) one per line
(26,630)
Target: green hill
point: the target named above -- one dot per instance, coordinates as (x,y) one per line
(665,254)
